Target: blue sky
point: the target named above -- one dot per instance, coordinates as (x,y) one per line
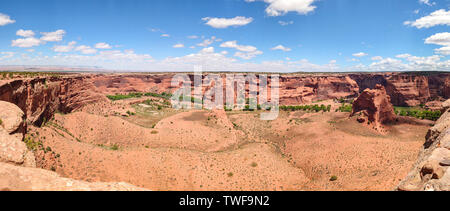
(228,35)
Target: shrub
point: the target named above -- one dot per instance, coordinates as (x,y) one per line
(254,164)
(114,147)
(154,132)
(333,178)
(230,174)
(1,121)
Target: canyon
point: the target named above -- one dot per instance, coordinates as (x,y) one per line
(96,140)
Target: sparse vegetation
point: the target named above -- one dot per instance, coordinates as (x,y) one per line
(345,108)
(1,122)
(138,95)
(313,108)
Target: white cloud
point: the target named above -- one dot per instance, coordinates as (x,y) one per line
(86,49)
(207,50)
(233,44)
(281,7)
(221,23)
(103,45)
(208,42)
(427,2)
(193,37)
(6,55)
(285,23)
(244,51)
(247,55)
(179,45)
(376,58)
(26,42)
(281,47)
(55,36)
(165,35)
(438,17)
(64,48)
(360,54)
(25,33)
(439,39)
(5,20)
(442,39)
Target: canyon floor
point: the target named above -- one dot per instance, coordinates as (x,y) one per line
(159,148)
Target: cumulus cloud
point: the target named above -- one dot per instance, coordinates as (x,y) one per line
(25,33)
(26,42)
(103,45)
(221,23)
(281,48)
(442,39)
(281,7)
(64,48)
(438,17)
(84,49)
(165,35)
(360,54)
(55,36)
(193,37)
(179,45)
(439,39)
(233,44)
(5,20)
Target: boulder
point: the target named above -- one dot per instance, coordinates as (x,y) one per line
(11,118)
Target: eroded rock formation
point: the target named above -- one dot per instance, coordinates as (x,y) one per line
(432,171)
(374,107)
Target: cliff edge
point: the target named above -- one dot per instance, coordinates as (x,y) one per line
(431,171)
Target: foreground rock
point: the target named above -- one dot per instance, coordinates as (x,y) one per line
(17,163)
(12,128)
(374,107)
(431,171)
(16,178)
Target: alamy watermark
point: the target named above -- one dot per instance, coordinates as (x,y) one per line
(242,92)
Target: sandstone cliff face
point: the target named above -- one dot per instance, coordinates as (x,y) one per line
(40,98)
(432,171)
(375,107)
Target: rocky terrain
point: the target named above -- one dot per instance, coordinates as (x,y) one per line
(66,125)
(431,171)
(18,164)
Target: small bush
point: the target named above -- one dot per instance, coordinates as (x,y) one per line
(230,174)
(114,147)
(154,132)
(333,178)
(254,164)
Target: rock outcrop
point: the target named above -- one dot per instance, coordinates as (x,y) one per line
(432,171)
(15,178)
(17,164)
(374,107)
(12,129)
